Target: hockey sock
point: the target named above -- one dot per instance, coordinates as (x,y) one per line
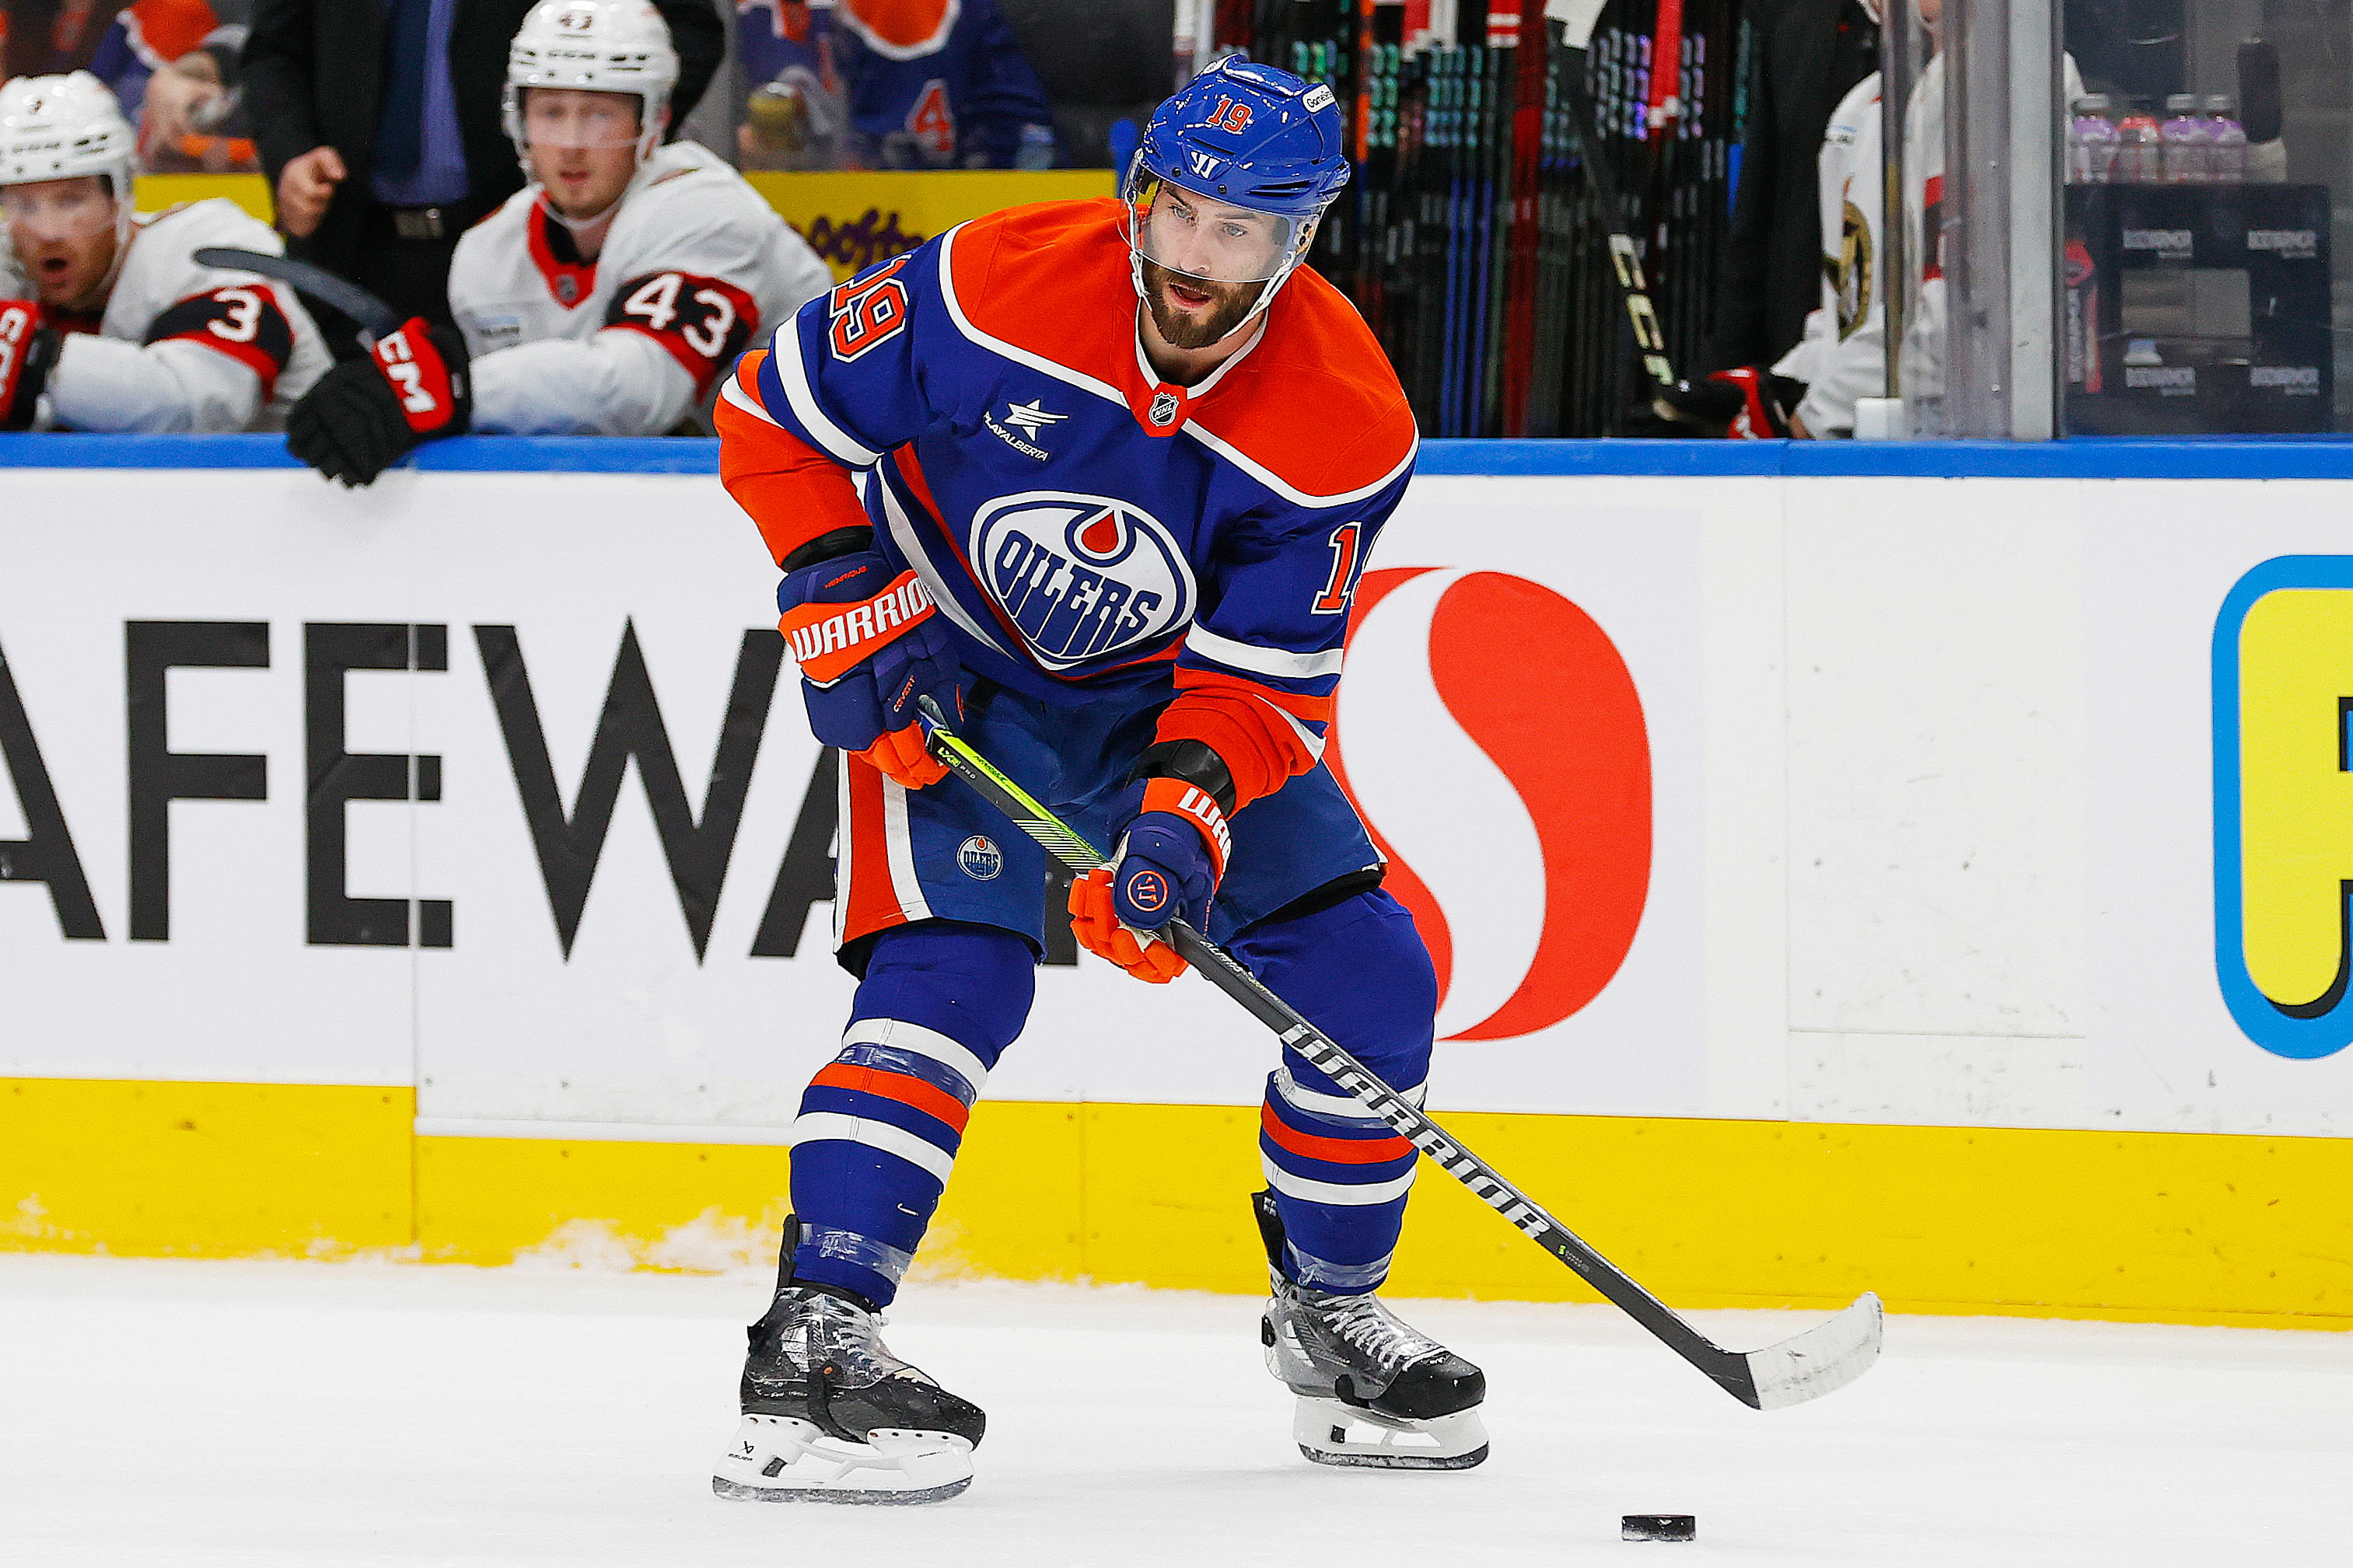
(1358,971)
(880,1124)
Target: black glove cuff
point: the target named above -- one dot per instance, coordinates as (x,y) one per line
(828,546)
(1193,762)
(40,359)
(455,360)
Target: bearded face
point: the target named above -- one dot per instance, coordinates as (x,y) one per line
(1192,312)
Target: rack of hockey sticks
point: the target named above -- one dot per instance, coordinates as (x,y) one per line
(1825,1358)
(1474,238)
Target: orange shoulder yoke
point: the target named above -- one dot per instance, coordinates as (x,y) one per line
(1315,402)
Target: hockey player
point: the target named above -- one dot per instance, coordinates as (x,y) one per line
(1119,545)
(607,297)
(1844,355)
(915,84)
(107,319)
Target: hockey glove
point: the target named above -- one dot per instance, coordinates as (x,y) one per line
(28,352)
(1745,404)
(869,643)
(365,415)
(1170,857)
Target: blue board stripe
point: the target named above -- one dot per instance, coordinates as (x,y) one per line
(2081,458)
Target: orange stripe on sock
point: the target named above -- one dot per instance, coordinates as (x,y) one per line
(1339,1151)
(905,1088)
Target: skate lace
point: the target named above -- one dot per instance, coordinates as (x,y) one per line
(1364,1325)
(827,1332)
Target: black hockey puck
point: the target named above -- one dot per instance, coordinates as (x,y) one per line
(1660,1526)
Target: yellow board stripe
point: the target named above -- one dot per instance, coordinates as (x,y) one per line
(2171,1227)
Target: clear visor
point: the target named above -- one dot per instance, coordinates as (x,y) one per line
(1201,236)
(574,117)
(51,212)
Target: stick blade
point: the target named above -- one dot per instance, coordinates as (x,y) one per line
(1822,1360)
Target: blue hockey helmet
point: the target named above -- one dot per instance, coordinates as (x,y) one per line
(1233,171)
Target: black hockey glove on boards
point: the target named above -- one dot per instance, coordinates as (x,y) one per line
(365,415)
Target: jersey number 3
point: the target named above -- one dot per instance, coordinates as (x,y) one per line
(867,311)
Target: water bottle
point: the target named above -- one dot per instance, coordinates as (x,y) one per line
(2226,154)
(2184,140)
(1036,149)
(2139,149)
(2091,143)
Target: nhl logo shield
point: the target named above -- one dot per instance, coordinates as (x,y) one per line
(568,291)
(1164,406)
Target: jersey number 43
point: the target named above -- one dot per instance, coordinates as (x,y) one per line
(702,321)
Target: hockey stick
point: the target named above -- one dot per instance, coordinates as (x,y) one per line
(1826,1357)
(1577,17)
(372,314)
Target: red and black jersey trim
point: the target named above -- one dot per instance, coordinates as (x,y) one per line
(242,321)
(703,322)
(569,280)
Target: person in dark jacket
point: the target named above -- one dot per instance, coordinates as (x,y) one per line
(378,122)
(1806,55)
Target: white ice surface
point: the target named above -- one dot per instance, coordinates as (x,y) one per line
(161,1413)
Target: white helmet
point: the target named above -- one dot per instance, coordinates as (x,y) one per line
(594,45)
(61,127)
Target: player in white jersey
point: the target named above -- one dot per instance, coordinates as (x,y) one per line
(604,298)
(1844,355)
(107,319)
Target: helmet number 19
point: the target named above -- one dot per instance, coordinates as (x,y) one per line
(1231,116)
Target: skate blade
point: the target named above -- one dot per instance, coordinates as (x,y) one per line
(778,1459)
(1331,1433)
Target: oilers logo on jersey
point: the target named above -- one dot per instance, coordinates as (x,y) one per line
(1080,576)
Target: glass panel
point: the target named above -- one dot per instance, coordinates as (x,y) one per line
(2204,273)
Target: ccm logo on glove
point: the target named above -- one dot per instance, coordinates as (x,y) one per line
(828,641)
(419,377)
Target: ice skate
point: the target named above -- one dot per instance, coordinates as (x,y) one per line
(831,1415)
(1373,1390)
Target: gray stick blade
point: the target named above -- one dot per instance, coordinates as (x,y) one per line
(1822,1360)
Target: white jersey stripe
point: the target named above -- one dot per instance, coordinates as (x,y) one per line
(1289,492)
(902,534)
(735,393)
(1339,1107)
(844,854)
(1020,356)
(1225,450)
(900,1035)
(901,850)
(784,353)
(1275,661)
(829,1126)
(1291,1186)
(1307,737)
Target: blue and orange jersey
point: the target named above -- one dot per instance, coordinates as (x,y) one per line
(928,84)
(1086,528)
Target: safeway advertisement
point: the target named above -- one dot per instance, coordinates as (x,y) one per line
(498,784)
